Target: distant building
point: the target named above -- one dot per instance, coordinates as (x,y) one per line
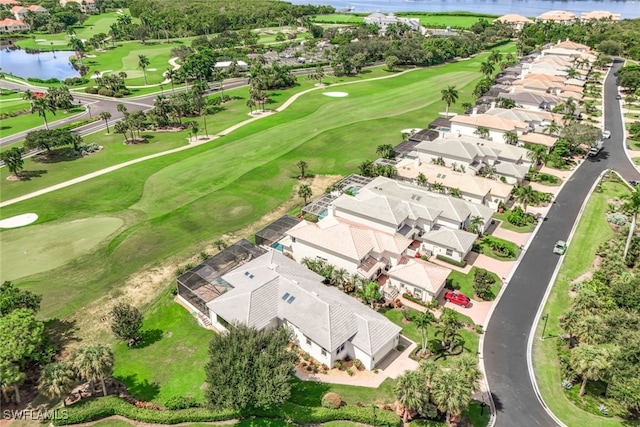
(599,15)
(517,22)
(86,6)
(226,64)
(383,21)
(557,16)
(20,12)
(7,3)
(13,25)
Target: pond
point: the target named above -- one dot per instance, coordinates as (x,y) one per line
(44,65)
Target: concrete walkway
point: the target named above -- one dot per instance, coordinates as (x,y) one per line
(86,177)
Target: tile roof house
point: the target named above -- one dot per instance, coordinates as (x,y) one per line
(86,6)
(8,2)
(497,126)
(473,188)
(539,138)
(599,15)
(557,16)
(345,244)
(536,118)
(534,101)
(568,44)
(383,21)
(13,25)
(474,153)
(412,211)
(517,22)
(273,290)
(20,12)
(419,278)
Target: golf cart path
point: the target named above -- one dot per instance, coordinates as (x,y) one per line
(104,171)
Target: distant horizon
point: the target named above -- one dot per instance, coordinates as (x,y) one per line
(493,7)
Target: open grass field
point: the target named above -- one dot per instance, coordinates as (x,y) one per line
(171,205)
(464,282)
(592,230)
(13,105)
(426,19)
(24,122)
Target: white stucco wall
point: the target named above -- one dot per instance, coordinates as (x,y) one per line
(437,250)
(368,221)
(314,349)
(302,249)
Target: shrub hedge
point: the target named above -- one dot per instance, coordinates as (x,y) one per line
(102,407)
(461,264)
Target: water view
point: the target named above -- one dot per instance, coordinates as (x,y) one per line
(627,8)
(45,65)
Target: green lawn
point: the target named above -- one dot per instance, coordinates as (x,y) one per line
(592,230)
(508,226)
(464,282)
(172,204)
(170,361)
(309,393)
(488,251)
(468,339)
(13,105)
(24,122)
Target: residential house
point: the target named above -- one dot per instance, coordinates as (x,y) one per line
(599,15)
(497,126)
(13,25)
(517,22)
(383,21)
(557,16)
(473,188)
(8,3)
(273,290)
(420,279)
(435,220)
(86,6)
(568,44)
(21,12)
(534,100)
(226,64)
(474,154)
(346,244)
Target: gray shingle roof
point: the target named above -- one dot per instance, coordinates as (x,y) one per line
(263,288)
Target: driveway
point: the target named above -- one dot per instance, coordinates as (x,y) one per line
(504,348)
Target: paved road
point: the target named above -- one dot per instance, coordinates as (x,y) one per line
(505,343)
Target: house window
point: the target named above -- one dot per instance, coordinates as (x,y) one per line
(449,252)
(308,341)
(323,353)
(340,349)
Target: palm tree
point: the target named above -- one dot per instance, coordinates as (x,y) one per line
(105,115)
(537,153)
(487,68)
(475,225)
(339,276)
(78,47)
(511,137)
(569,322)
(505,103)
(591,330)
(13,159)
(631,206)
(455,192)
(526,196)
(482,132)
(56,380)
(171,74)
(409,391)
(92,363)
(194,129)
(572,73)
(143,62)
(302,165)
(495,56)
(468,366)
(449,96)
(590,362)
(422,322)
(305,192)
(552,128)
(449,326)
(385,151)
(451,393)
(41,106)
(370,293)
(421,179)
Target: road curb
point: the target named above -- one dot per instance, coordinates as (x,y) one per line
(493,418)
(543,303)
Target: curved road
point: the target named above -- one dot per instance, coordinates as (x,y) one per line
(505,343)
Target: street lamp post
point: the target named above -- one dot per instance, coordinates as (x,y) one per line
(544,327)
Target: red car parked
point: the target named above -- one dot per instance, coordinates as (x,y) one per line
(457,298)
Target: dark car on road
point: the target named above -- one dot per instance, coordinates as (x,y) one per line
(457,298)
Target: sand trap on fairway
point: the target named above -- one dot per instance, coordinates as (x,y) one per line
(40,40)
(336,94)
(18,220)
(152,69)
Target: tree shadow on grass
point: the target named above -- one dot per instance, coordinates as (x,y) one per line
(307,393)
(149,337)
(62,332)
(28,175)
(140,389)
(5,127)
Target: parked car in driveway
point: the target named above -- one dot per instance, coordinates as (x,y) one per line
(457,298)
(606,134)
(560,247)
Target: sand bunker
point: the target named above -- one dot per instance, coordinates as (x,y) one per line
(336,94)
(18,221)
(152,69)
(40,40)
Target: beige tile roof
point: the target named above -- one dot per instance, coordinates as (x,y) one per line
(469,184)
(575,95)
(534,76)
(599,14)
(555,60)
(572,88)
(347,238)
(537,84)
(514,18)
(557,15)
(575,82)
(525,115)
(539,138)
(568,44)
(489,121)
(422,274)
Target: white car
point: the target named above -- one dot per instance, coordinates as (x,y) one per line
(606,134)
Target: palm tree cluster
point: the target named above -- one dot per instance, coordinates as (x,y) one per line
(170,110)
(113,83)
(341,278)
(371,169)
(92,363)
(55,98)
(133,123)
(434,389)
(263,78)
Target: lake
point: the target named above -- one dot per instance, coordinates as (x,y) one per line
(627,8)
(45,65)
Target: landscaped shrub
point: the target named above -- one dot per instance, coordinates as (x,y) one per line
(519,218)
(337,364)
(414,299)
(350,372)
(48,81)
(357,363)
(75,81)
(500,247)
(482,281)
(91,89)
(331,400)
(448,260)
(103,91)
(617,218)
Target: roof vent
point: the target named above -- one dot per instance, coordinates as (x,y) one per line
(246,273)
(273,266)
